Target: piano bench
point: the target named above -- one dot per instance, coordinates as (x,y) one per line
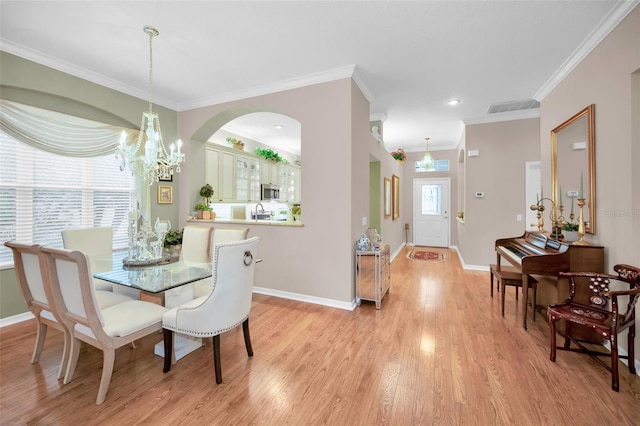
(507,275)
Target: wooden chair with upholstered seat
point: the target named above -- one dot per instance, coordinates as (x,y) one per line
(595,315)
(227,306)
(106,329)
(29,272)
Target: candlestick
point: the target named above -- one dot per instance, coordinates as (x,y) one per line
(581,231)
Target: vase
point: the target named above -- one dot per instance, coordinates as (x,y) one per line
(400,161)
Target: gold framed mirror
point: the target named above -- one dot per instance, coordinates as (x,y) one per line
(573,167)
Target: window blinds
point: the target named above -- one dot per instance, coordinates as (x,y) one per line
(43,193)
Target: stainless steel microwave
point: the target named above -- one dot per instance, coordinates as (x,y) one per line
(269,192)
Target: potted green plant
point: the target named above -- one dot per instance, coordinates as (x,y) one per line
(173,242)
(570,231)
(206,192)
(235,143)
(269,154)
(204,211)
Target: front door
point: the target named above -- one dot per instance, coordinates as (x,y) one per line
(431,212)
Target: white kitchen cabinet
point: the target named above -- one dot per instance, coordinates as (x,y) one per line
(269,172)
(289,182)
(220,174)
(247,178)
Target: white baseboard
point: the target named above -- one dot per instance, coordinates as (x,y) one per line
(349,306)
(15,319)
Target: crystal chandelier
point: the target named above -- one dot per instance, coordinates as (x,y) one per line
(154,162)
(427,160)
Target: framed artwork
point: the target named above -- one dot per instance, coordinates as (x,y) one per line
(387,197)
(165,194)
(395,195)
(165,179)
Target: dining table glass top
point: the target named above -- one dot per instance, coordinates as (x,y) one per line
(156,278)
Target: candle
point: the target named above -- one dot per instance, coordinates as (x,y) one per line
(581,195)
(541,193)
(560,195)
(123,140)
(537,198)
(572,205)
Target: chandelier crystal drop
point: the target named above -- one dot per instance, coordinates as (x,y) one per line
(427,160)
(148,157)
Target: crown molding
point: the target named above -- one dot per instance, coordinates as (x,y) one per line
(76,71)
(381,116)
(617,14)
(503,116)
(348,71)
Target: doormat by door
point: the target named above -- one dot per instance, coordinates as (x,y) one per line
(427,255)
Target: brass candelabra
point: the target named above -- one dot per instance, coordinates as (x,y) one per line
(556,223)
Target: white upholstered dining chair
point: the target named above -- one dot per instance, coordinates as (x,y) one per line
(220,235)
(97,244)
(226,307)
(196,244)
(29,267)
(106,329)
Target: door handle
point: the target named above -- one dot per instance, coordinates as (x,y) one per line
(445,215)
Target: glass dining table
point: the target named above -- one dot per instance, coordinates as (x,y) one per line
(173,281)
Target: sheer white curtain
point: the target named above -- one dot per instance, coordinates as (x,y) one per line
(57,172)
(60,133)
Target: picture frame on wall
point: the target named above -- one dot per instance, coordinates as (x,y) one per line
(387,197)
(165,194)
(395,187)
(169,179)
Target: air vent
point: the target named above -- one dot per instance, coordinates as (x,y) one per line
(513,106)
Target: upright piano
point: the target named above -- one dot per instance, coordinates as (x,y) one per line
(534,253)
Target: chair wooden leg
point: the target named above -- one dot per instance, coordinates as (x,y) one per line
(615,385)
(216,358)
(567,333)
(65,354)
(73,360)
(41,334)
(552,338)
(168,349)
(109,357)
(491,272)
(631,351)
(247,337)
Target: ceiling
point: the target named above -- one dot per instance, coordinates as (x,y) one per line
(408,57)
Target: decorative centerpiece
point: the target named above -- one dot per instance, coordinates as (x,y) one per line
(239,145)
(399,155)
(145,247)
(363,243)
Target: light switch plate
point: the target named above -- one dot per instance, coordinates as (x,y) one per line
(364,221)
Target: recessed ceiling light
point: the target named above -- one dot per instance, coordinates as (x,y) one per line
(453,102)
(279,126)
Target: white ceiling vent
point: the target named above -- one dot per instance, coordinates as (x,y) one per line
(513,106)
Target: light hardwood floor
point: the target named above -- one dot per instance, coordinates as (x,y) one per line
(438,352)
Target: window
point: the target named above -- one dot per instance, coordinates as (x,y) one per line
(436,166)
(43,193)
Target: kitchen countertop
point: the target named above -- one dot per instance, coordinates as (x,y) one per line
(250,222)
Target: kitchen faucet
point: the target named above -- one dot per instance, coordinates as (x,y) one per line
(261,209)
